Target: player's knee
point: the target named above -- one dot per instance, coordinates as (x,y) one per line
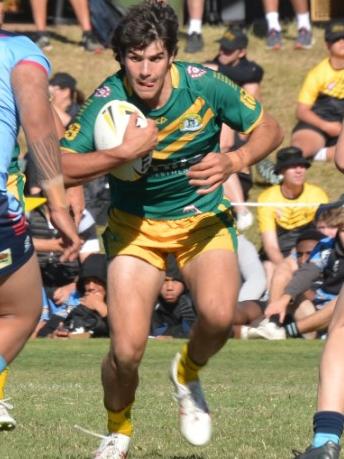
(127,356)
(218,321)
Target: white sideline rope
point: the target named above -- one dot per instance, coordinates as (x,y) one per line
(276,204)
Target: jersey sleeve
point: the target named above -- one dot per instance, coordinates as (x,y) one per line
(24,50)
(233,105)
(79,135)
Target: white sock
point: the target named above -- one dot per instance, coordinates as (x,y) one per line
(272,20)
(303,21)
(195,25)
(321,155)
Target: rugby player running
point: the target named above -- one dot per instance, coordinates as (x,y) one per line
(177,207)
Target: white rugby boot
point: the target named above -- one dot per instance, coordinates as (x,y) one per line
(6,421)
(195,420)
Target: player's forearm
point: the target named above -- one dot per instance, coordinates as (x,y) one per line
(263,140)
(305,114)
(79,169)
(30,85)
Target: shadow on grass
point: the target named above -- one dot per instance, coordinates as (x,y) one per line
(52,34)
(193,456)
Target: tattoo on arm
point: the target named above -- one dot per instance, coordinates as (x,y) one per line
(46,157)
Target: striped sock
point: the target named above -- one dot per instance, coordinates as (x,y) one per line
(328,426)
(292,330)
(120,421)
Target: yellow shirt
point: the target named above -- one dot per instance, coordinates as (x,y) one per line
(288,218)
(323,79)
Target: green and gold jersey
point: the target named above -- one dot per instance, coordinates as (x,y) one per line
(189,126)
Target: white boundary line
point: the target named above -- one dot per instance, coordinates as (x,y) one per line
(276,204)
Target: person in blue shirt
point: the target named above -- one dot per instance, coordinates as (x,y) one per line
(24,102)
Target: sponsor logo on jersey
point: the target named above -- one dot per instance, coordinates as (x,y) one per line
(248,100)
(195,72)
(103,91)
(160,120)
(72,131)
(5,258)
(190,123)
(331,85)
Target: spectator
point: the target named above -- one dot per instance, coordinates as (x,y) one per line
(274,37)
(47,242)
(281,224)
(326,217)
(194,41)
(81,10)
(65,97)
(174,312)
(320,107)
(326,262)
(87,308)
(251,312)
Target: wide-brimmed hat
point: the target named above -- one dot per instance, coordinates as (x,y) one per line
(334,30)
(290,157)
(234,38)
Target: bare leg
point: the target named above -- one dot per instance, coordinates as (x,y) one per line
(20,307)
(82,13)
(207,276)
(309,141)
(133,286)
(39,12)
(330,390)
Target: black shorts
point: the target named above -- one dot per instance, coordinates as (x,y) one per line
(329,141)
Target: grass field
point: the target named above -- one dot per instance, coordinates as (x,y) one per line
(262,396)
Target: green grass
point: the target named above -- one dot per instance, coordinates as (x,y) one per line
(262,396)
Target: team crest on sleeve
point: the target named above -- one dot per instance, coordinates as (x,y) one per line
(195,72)
(103,91)
(190,123)
(72,131)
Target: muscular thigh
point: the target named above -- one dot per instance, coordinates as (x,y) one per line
(213,278)
(133,287)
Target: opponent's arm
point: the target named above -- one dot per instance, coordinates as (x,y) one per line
(30,86)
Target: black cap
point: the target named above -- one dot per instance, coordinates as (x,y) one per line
(329,206)
(94,265)
(334,30)
(63,80)
(290,157)
(233,39)
(310,234)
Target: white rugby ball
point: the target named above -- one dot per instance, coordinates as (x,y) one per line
(109,129)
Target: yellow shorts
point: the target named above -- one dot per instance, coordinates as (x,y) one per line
(151,240)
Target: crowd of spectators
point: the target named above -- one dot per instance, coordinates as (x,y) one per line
(289,285)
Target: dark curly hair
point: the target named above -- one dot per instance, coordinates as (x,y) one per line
(143,24)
